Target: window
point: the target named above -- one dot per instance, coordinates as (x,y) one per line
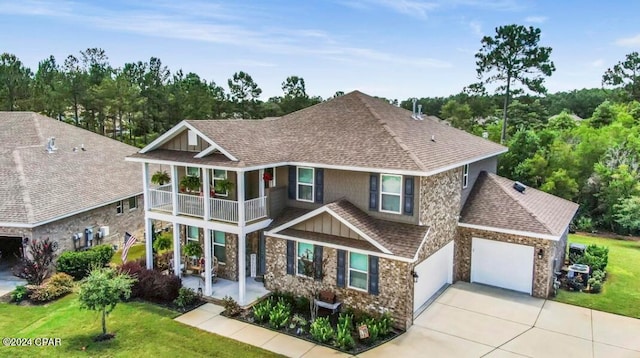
(305,260)
(192,138)
(391,193)
(193,233)
(133,202)
(219,250)
(465,176)
(219,176)
(193,172)
(358,271)
(305,184)
(119,207)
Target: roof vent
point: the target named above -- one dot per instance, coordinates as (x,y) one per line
(419,112)
(433,137)
(413,113)
(51,145)
(519,187)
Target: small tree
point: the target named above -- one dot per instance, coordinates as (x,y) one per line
(102,291)
(36,265)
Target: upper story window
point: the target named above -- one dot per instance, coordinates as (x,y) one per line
(219,249)
(193,233)
(193,172)
(133,202)
(304,260)
(219,176)
(391,193)
(358,271)
(305,187)
(119,207)
(192,137)
(465,176)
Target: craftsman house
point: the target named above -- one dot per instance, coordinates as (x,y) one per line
(379,205)
(64,183)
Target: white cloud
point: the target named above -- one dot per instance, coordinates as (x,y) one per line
(476,28)
(536,19)
(414,8)
(633,41)
(597,63)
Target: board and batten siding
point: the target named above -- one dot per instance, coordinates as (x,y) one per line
(181,142)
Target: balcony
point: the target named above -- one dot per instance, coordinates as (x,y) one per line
(161,199)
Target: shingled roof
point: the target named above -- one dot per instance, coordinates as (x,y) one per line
(354,130)
(494,203)
(396,239)
(36,186)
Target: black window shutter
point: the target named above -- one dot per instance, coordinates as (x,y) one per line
(292,182)
(317,262)
(409,189)
(291,257)
(373,275)
(319,187)
(373,191)
(342,263)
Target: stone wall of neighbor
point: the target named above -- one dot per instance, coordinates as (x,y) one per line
(543,268)
(395,283)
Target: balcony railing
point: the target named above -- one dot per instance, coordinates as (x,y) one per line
(191,205)
(223,210)
(161,198)
(255,208)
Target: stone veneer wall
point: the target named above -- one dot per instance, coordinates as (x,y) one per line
(229,270)
(62,230)
(395,283)
(440,197)
(543,268)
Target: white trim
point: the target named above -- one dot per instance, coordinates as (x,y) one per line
(366,289)
(312,184)
(213,179)
(211,142)
(186,171)
(214,244)
(135,197)
(424,239)
(120,204)
(206,152)
(17,225)
(465,176)
(325,209)
(399,195)
(511,232)
(298,258)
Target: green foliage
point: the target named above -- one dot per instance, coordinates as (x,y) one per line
(163,241)
(625,74)
(598,275)
(103,254)
(627,213)
(160,177)
(595,285)
(55,287)
(19,293)
(79,263)
(321,330)
(279,314)
(459,114)
(191,183)
(262,309)
(585,224)
(35,268)
(231,307)
(344,329)
(559,183)
(378,326)
(604,115)
(186,297)
(193,249)
(102,290)
(597,257)
(298,321)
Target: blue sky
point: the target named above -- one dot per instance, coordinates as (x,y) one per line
(391,48)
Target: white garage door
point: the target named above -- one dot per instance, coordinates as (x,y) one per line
(502,264)
(433,273)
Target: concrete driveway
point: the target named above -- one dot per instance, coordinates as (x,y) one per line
(8,281)
(470,320)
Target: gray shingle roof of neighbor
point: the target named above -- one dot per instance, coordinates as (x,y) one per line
(37,186)
(353,130)
(402,240)
(494,202)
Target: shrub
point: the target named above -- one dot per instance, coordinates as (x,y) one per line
(36,268)
(301,304)
(186,298)
(358,315)
(597,257)
(79,263)
(61,280)
(162,242)
(155,287)
(595,285)
(598,274)
(279,314)
(585,224)
(374,329)
(231,307)
(298,321)
(321,330)
(19,293)
(102,254)
(131,268)
(287,297)
(344,338)
(262,309)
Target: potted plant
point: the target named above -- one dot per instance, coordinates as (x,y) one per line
(223,186)
(190,183)
(160,177)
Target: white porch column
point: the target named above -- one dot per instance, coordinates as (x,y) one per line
(240,191)
(206,187)
(176,250)
(207,262)
(174,190)
(145,186)
(148,233)
(242,274)
(261,183)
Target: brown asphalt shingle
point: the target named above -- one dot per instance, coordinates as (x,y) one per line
(494,202)
(352,130)
(36,186)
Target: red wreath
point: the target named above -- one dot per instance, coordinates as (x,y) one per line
(267,176)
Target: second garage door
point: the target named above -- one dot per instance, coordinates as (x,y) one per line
(502,264)
(433,273)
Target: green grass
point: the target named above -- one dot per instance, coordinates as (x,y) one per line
(142,330)
(135,252)
(621,291)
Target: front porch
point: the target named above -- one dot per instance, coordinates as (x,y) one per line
(221,288)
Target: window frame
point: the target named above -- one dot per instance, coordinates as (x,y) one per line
(186,171)
(312,184)
(399,195)
(349,269)
(197,239)
(214,179)
(298,258)
(465,176)
(214,244)
(119,207)
(135,201)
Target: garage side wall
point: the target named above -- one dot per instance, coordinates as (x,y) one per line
(543,268)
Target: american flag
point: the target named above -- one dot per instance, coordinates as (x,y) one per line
(129,240)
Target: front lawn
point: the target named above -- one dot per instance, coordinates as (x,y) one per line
(135,252)
(621,291)
(142,330)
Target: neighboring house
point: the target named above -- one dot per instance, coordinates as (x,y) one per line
(64,183)
(356,196)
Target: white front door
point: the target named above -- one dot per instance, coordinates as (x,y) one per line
(502,264)
(433,273)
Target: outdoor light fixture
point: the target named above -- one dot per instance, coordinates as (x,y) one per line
(199,291)
(415,276)
(540,253)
